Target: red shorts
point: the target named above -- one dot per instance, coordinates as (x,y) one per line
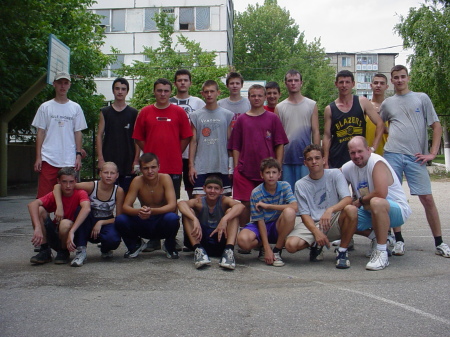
(243,187)
(48,178)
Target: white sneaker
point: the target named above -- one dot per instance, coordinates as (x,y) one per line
(399,248)
(201,258)
(277,260)
(443,250)
(80,257)
(378,261)
(390,241)
(372,247)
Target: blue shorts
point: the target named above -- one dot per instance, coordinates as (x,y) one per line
(272,233)
(365,217)
(416,175)
(292,173)
(200,181)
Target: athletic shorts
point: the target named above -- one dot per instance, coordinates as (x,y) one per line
(200,181)
(334,233)
(243,187)
(365,217)
(48,177)
(271,226)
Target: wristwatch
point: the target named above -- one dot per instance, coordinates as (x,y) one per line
(79,154)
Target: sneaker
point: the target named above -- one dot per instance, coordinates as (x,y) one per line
(262,254)
(227,259)
(277,260)
(170,255)
(443,250)
(178,247)
(136,251)
(342,261)
(316,253)
(42,257)
(152,245)
(201,258)
(336,243)
(37,248)
(80,257)
(62,257)
(378,261)
(391,241)
(372,247)
(399,248)
(107,255)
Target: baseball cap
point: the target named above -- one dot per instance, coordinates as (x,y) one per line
(60,75)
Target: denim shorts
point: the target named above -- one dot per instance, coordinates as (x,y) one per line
(365,217)
(416,175)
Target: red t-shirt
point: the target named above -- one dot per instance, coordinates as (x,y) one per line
(162,130)
(268,108)
(70,204)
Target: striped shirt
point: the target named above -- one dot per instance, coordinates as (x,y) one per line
(283,196)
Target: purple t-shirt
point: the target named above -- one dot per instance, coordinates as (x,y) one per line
(255,137)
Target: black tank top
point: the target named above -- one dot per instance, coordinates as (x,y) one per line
(345,126)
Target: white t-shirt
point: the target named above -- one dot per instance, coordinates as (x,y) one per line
(362,182)
(60,122)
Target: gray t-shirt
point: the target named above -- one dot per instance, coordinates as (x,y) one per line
(409,116)
(315,196)
(238,108)
(211,128)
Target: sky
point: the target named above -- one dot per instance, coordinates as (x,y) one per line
(348,26)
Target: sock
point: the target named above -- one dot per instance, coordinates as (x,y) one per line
(437,240)
(229,247)
(371,235)
(196,246)
(381,247)
(398,236)
(341,250)
(44,246)
(277,250)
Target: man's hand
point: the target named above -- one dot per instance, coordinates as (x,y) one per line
(145,212)
(322,240)
(325,220)
(59,214)
(424,158)
(38,237)
(220,229)
(197,230)
(77,163)
(268,256)
(38,165)
(69,243)
(261,204)
(192,175)
(100,164)
(96,230)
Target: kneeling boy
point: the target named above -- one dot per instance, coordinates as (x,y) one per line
(211,224)
(273,210)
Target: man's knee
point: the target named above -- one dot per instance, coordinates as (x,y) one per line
(379,205)
(64,226)
(427,200)
(294,244)
(289,214)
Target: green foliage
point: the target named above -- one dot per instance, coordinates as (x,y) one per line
(268,42)
(426,30)
(165,60)
(26,25)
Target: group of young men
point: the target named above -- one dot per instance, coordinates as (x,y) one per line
(269,158)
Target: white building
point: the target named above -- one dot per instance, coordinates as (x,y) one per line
(129,26)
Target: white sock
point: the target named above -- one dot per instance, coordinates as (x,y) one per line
(381,247)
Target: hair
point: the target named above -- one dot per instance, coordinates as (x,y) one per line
(293,72)
(360,138)
(121,80)
(164,81)
(273,85)
(213,179)
(234,75)
(399,67)
(147,158)
(182,72)
(313,147)
(345,73)
(67,171)
(269,163)
(380,75)
(110,163)
(209,83)
(256,86)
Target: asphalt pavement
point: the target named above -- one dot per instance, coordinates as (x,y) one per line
(154,296)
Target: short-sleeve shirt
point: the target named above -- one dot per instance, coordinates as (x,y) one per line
(70,204)
(409,116)
(255,137)
(238,108)
(283,196)
(315,196)
(162,130)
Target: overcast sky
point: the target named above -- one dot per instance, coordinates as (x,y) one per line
(348,26)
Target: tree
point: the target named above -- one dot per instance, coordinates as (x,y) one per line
(426,30)
(165,60)
(26,26)
(268,42)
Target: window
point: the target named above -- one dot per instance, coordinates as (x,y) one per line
(367,62)
(197,18)
(113,20)
(149,20)
(364,77)
(346,61)
(109,71)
